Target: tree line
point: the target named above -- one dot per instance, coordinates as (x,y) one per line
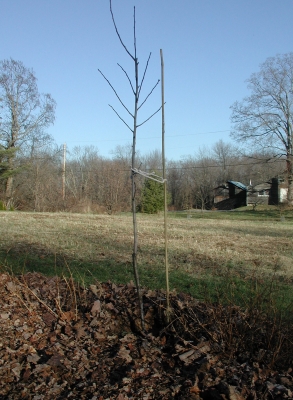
(94,183)
(31,164)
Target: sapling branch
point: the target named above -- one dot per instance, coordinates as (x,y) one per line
(149,95)
(149,117)
(134,37)
(120,118)
(127,78)
(128,52)
(115,93)
(145,70)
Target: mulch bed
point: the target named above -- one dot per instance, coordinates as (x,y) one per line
(62,341)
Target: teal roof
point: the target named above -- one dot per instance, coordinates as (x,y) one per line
(238,184)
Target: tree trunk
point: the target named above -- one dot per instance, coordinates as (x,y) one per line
(133,190)
(289,165)
(9,185)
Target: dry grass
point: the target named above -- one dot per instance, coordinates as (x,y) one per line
(197,246)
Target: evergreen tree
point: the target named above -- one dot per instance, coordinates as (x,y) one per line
(5,156)
(152,198)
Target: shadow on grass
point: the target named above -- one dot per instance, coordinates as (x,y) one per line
(36,259)
(268,294)
(28,258)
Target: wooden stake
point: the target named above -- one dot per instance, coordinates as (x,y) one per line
(63,171)
(165,189)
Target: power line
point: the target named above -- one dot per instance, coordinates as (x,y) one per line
(195,166)
(150,137)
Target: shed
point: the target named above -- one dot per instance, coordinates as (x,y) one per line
(235,194)
(231,195)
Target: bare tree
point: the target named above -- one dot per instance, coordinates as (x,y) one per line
(25,112)
(136,87)
(225,155)
(173,179)
(123,153)
(265,118)
(182,186)
(37,185)
(83,164)
(151,161)
(202,178)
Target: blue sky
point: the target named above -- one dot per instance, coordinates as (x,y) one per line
(210,47)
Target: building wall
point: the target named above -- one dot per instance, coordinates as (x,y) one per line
(283,192)
(253,198)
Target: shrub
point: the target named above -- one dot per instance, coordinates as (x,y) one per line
(4,208)
(152,197)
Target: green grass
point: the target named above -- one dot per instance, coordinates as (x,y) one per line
(226,288)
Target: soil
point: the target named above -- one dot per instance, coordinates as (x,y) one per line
(60,340)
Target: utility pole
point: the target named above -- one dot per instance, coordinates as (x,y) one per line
(63,171)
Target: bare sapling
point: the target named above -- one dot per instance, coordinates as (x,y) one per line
(136,87)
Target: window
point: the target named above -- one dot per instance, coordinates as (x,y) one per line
(263,192)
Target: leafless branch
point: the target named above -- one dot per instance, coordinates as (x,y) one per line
(129,80)
(145,70)
(115,92)
(128,52)
(120,117)
(149,95)
(134,36)
(149,117)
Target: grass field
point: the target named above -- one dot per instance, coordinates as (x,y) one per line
(212,255)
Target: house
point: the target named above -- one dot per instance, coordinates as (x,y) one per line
(235,194)
(260,194)
(230,195)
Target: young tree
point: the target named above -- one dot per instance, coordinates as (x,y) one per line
(136,87)
(265,118)
(25,113)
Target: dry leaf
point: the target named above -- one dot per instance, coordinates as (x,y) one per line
(96,308)
(233,395)
(17,370)
(125,354)
(94,289)
(55,360)
(48,318)
(33,358)
(194,389)
(26,375)
(11,287)
(185,355)
(68,316)
(80,332)
(100,336)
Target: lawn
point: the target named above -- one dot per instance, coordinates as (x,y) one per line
(212,255)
